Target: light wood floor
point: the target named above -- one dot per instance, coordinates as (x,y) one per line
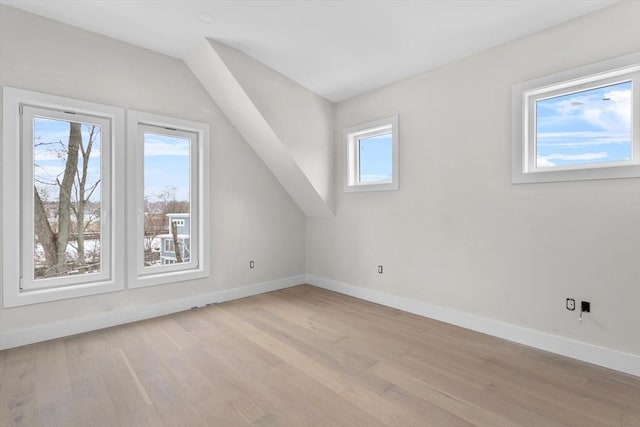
(304,357)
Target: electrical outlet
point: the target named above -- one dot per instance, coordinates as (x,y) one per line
(252,264)
(380,269)
(571,304)
(585,307)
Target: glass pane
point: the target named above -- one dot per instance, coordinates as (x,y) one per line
(67,197)
(592,126)
(376,159)
(167,204)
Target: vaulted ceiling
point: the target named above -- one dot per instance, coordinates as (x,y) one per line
(337,49)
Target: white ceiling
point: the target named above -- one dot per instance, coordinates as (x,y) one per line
(337,48)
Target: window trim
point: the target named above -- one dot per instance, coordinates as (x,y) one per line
(12,159)
(352,137)
(579,79)
(199,266)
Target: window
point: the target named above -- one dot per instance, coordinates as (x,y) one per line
(66,209)
(372,156)
(170,195)
(59,196)
(581,124)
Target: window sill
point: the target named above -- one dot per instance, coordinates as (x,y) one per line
(391,186)
(36,296)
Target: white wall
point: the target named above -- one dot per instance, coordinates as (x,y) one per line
(458,234)
(302,119)
(252,216)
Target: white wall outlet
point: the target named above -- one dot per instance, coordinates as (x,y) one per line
(571,304)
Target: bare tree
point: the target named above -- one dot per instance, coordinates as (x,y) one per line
(83,192)
(72,191)
(176,243)
(154,225)
(167,198)
(54,242)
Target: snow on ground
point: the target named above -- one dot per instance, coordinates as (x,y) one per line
(91,249)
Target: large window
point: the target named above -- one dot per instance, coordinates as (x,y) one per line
(582,124)
(166,156)
(66,194)
(59,197)
(372,156)
(67,213)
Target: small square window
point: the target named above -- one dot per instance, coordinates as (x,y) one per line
(372,156)
(580,124)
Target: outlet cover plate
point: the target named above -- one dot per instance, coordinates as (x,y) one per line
(571,304)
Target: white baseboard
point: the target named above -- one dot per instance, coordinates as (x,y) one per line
(608,358)
(50,331)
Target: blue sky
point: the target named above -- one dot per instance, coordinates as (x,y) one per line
(166,160)
(166,165)
(376,158)
(592,126)
(51,139)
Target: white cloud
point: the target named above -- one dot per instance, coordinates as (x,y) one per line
(611,112)
(49,172)
(585,156)
(40,155)
(581,138)
(154,147)
(546,160)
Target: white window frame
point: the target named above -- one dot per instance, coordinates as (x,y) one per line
(198,267)
(29,283)
(524,97)
(352,136)
(17,162)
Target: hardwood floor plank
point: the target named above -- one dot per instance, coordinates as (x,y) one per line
(304,357)
(360,396)
(52,388)
(17,391)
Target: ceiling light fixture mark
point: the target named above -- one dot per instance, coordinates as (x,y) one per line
(206,17)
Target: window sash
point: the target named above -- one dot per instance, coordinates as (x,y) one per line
(193,198)
(198,266)
(523,169)
(27,217)
(352,137)
(577,86)
(13,159)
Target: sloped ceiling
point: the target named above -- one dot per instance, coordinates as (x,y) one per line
(337,49)
(214,65)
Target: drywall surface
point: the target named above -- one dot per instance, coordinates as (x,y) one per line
(211,71)
(252,216)
(457,233)
(302,119)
